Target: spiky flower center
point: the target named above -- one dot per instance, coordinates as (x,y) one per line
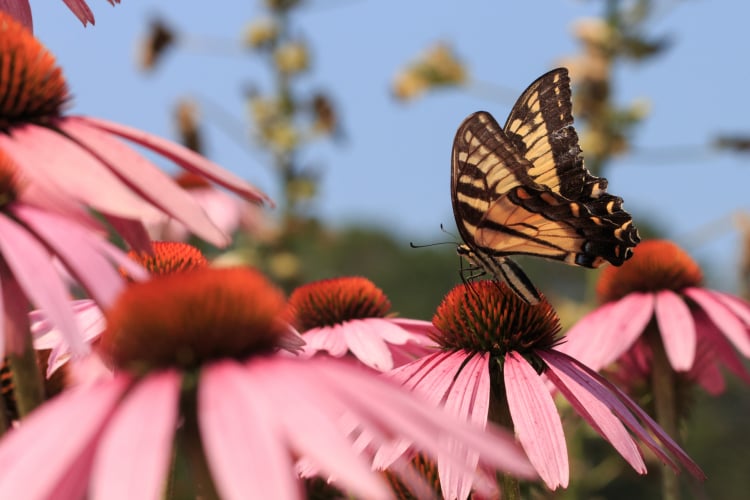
(486,316)
(334,301)
(32,87)
(170,257)
(656,265)
(186,319)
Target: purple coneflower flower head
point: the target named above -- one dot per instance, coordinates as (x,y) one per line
(56,170)
(197,377)
(659,290)
(167,257)
(495,352)
(351,316)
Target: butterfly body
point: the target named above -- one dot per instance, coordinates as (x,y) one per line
(523,189)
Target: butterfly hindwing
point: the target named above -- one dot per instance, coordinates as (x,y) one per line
(523,188)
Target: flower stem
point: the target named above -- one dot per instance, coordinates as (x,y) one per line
(28,384)
(663,389)
(499,413)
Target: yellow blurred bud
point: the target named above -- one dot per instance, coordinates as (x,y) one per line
(261,33)
(409,85)
(291,58)
(284,266)
(437,67)
(282,135)
(593,31)
(640,108)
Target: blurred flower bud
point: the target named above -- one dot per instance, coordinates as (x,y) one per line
(261,33)
(158,39)
(292,58)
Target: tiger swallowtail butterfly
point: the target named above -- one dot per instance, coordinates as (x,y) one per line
(523,190)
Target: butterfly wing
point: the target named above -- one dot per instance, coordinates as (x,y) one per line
(523,189)
(540,128)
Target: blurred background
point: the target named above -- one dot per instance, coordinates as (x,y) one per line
(344,111)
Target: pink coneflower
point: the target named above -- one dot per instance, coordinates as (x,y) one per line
(167,257)
(55,168)
(659,290)
(198,385)
(77,160)
(31,231)
(227,212)
(350,316)
(494,350)
(21,10)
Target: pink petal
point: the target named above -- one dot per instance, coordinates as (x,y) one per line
(146,179)
(622,406)
(416,326)
(133,459)
(43,153)
(723,317)
(677,329)
(81,10)
(41,452)
(469,400)
(310,420)
(432,376)
(32,267)
(20,10)
(14,307)
(536,421)
(596,412)
(738,306)
(720,346)
(132,231)
(72,245)
(90,321)
(609,331)
(241,436)
(379,404)
(326,338)
(367,345)
(187,159)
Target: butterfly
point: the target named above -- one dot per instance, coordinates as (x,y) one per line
(523,190)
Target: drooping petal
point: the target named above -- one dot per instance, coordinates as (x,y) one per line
(380,404)
(738,306)
(723,317)
(44,154)
(622,406)
(72,245)
(241,436)
(600,338)
(81,10)
(187,159)
(32,267)
(367,345)
(431,376)
(677,329)
(536,421)
(146,179)
(595,412)
(720,346)
(133,459)
(310,418)
(20,10)
(79,414)
(469,400)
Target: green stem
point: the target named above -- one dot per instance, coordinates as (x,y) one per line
(28,383)
(499,413)
(663,388)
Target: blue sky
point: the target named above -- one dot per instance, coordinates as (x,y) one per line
(393,169)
